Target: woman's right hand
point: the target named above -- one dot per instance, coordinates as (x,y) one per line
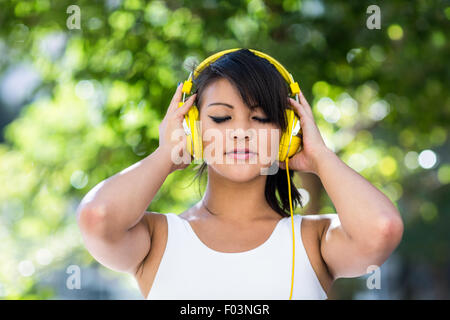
(173,122)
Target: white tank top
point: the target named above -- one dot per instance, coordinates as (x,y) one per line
(190,270)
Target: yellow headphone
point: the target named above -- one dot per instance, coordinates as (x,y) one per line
(290,143)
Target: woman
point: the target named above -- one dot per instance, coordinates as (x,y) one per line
(236,242)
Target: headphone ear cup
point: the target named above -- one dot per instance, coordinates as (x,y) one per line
(296,144)
(194,140)
(288,143)
(189,146)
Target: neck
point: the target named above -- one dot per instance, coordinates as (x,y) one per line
(236,202)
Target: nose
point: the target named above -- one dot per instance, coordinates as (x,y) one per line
(241,134)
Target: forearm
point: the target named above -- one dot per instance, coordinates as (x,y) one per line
(366,214)
(120,201)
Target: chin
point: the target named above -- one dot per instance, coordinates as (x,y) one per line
(238,172)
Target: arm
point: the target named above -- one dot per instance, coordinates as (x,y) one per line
(112,218)
(367,227)
(112,215)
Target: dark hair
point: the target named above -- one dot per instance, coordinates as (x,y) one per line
(259,84)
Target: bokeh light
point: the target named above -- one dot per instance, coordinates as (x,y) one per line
(395,32)
(427,159)
(26,268)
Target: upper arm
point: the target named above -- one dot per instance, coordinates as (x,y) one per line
(121,252)
(345,257)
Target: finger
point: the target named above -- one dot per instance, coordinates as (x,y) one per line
(176,97)
(301,106)
(305,104)
(181,111)
(298,107)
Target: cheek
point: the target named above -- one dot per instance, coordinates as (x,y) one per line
(268,139)
(214,141)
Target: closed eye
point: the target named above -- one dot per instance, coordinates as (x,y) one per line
(219,120)
(223,119)
(263,120)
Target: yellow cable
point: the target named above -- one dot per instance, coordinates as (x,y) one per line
(292,220)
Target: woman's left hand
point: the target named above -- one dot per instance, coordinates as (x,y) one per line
(313,145)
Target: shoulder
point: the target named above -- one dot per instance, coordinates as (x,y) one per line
(312,227)
(157,222)
(192,213)
(318,225)
(320,222)
(154,219)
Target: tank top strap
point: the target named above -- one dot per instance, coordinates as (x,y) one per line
(284,231)
(176,226)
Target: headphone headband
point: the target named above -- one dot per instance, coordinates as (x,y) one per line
(293,86)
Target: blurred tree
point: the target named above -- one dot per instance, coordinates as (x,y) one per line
(88,103)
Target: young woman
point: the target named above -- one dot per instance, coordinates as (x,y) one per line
(236,242)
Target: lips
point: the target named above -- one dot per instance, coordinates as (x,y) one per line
(240,151)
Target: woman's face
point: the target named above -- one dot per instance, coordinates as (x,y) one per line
(228,124)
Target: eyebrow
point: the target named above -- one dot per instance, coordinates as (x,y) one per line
(221,103)
(225,104)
